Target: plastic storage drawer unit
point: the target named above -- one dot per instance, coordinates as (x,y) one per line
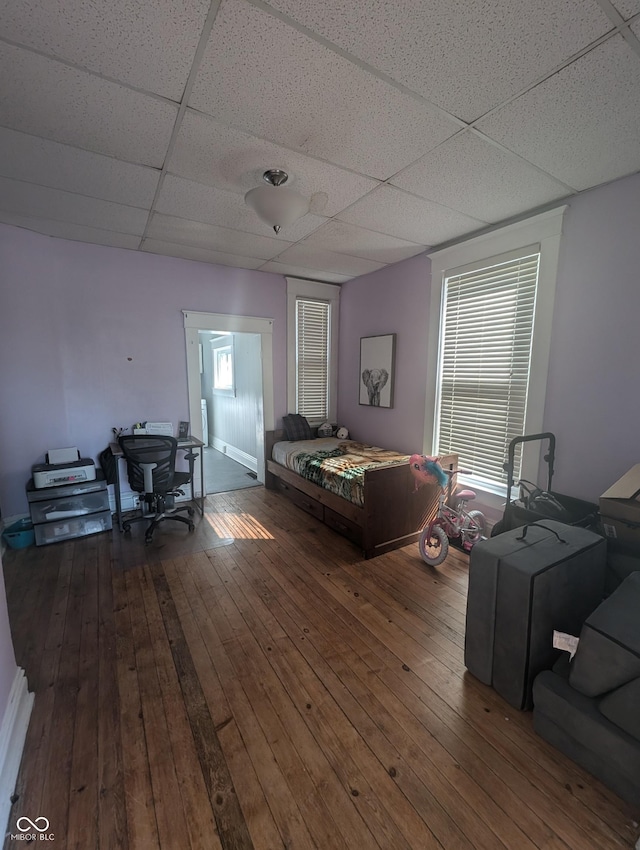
(66,529)
(70,510)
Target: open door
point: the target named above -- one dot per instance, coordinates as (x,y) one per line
(195,322)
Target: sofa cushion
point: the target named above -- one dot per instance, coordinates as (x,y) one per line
(622,707)
(608,654)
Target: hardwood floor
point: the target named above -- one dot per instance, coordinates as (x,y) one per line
(255,684)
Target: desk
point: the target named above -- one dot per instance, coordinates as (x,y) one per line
(183,445)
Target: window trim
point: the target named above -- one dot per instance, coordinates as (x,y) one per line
(328,293)
(544,229)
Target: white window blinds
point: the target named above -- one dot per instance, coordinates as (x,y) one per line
(485,355)
(312,358)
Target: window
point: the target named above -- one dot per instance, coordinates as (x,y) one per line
(312,324)
(312,346)
(222,356)
(485,356)
(489,339)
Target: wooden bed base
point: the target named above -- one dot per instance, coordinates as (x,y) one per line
(394,512)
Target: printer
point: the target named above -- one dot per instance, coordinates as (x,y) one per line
(63,466)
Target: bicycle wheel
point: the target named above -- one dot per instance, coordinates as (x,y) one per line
(474,527)
(433,545)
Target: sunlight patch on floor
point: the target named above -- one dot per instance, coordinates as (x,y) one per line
(238,526)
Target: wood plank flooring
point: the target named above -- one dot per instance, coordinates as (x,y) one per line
(255,684)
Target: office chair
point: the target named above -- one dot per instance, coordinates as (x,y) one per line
(151,470)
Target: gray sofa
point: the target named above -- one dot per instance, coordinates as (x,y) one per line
(590,708)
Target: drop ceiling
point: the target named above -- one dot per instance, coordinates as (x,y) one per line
(141,124)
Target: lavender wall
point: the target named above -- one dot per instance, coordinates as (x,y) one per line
(593,392)
(391,300)
(72,314)
(93,337)
(592,402)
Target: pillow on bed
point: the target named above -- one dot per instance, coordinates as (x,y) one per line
(296,427)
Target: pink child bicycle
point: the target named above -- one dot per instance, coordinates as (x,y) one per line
(455,523)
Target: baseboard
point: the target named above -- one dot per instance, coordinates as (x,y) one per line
(12,737)
(235,454)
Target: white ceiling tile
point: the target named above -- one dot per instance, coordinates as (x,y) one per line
(59,166)
(202,255)
(194,201)
(69,230)
(627,8)
(390,210)
(210,152)
(169,229)
(260,74)
(479,179)
(581,125)
(34,201)
(49,99)
(301,271)
(148,45)
(348,239)
(464,55)
(319,258)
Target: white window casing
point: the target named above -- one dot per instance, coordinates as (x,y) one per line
(312,323)
(461,266)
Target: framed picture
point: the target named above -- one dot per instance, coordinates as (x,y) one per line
(377,355)
(183,430)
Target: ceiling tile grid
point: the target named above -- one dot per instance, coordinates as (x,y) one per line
(466,56)
(49,99)
(41,202)
(348,239)
(583,124)
(72,231)
(475,177)
(58,166)
(147,45)
(201,255)
(197,202)
(259,73)
(397,213)
(319,258)
(291,270)
(197,234)
(142,125)
(213,153)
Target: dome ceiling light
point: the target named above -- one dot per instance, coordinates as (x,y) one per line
(274,203)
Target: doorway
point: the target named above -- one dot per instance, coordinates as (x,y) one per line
(223,324)
(231,394)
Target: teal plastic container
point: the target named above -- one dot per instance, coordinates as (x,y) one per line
(20,534)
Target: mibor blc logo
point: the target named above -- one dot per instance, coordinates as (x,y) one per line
(32,830)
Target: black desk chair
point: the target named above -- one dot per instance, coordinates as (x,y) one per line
(151,469)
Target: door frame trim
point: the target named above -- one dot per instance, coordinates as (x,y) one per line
(194,322)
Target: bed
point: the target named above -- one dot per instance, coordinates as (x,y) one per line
(365,493)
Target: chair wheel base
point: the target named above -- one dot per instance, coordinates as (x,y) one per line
(191,527)
(190,511)
(126,527)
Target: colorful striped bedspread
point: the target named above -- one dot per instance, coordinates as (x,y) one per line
(336,465)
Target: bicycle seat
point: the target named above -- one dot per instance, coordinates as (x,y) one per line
(466,495)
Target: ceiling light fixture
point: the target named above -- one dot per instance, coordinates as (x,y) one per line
(274,203)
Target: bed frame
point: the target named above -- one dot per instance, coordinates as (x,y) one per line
(394,512)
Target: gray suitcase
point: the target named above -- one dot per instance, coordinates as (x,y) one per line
(523,584)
